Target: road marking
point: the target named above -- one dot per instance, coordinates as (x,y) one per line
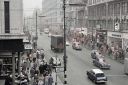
(116,75)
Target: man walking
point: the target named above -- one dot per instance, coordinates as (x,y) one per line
(50,80)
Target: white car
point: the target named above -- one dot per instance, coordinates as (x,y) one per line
(46,31)
(76,46)
(67,43)
(97,76)
(101,63)
(55,61)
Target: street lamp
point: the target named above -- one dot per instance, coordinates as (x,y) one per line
(56,71)
(65,56)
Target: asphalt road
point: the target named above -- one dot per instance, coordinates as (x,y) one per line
(79,62)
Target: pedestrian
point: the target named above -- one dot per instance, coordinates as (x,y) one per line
(24,65)
(32,72)
(28,63)
(40,82)
(8,80)
(41,68)
(1,65)
(50,80)
(34,63)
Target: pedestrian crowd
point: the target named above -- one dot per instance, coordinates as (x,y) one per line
(34,70)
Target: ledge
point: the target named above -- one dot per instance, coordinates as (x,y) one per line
(11,36)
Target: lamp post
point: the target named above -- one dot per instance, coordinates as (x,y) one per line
(36,33)
(56,71)
(65,56)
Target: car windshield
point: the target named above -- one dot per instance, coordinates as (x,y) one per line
(100,75)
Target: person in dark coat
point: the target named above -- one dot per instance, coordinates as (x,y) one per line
(8,80)
(41,69)
(50,80)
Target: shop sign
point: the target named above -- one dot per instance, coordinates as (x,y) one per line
(28,46)
(115,34)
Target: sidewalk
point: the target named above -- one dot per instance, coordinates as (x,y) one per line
(58,79)
(53,75)
(2,82)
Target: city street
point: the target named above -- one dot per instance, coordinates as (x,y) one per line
(79,62)
(64,42)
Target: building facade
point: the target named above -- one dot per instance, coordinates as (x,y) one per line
(77,15)
(14,12)
(11,35)
(53,12)
(107,13)
(110,16)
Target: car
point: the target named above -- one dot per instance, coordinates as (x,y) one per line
(101,63)
(55,61)
(97,76)
(67,43)
(93,54)
(46,31)
(96,54)
(76,46)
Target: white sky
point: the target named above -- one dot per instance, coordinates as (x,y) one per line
(29,5)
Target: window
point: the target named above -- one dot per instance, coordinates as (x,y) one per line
(124,7)
(110,9)
(127,7)
(117,9)
(100,75)
(7,17)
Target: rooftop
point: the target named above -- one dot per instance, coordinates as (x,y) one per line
(97,71)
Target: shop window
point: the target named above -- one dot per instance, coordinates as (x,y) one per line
(124,8)
(116,9)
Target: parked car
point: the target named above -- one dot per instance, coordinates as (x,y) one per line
(93,54)
(97,76)
(96,54)
(76,46)
(55,61)
(101,63)
(46,31)
(67,43)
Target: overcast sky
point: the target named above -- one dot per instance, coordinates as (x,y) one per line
(29,5)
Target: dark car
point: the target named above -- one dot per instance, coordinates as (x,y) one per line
(101,63)
(93,54)
(97,76)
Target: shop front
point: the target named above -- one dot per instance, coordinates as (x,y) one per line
(115,39)
(125,44)
(117,42)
